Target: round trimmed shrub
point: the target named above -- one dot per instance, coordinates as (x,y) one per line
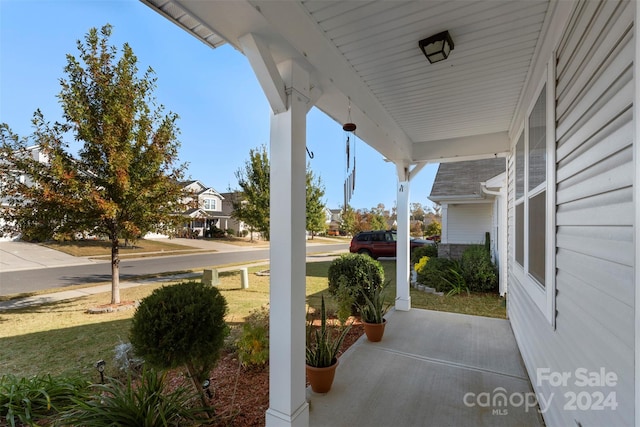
(180,325)
(353,274)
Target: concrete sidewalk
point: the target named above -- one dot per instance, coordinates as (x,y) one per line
(97,289)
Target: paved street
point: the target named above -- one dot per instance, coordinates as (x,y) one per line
(45,276)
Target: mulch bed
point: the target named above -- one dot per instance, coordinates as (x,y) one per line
(241,396)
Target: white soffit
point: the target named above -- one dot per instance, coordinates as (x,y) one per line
(367,51)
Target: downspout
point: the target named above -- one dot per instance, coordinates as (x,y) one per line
(502,236)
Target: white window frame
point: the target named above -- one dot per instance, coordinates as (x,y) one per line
(542,296)
(211,200)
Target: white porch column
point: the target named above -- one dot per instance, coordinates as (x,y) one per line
(403,297)
(287,396)
(287,88)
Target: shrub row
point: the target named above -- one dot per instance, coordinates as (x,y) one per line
(475,268)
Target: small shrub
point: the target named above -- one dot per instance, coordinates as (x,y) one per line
(360,273)
(478,270)
(214,232)
(253,343)
(434,273)
(181,325)
(456,282)
(230,232)
(346,298)
(244,233)
(430,251)
(29,400)
(421,264)
(144,404)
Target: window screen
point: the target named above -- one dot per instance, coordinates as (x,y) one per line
(537,233)
(520,234)
(520,167)
(538,142)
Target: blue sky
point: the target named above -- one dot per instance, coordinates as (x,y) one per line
(223,111)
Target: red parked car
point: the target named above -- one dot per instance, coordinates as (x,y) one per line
(380,243)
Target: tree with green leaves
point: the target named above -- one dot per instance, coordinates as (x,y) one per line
(348,218)
(124,181)
(253,207)
(433,228)
(377,218)
(316,215)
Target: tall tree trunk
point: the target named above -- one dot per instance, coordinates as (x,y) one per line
(115,270)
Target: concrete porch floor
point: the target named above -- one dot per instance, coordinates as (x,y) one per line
(430,369)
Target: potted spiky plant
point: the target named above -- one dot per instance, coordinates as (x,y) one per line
(323,345)
(372,313)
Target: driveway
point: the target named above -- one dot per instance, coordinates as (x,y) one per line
(28,256)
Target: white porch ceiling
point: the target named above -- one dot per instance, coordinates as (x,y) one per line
(367,51)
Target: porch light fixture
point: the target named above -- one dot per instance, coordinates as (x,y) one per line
(436,48)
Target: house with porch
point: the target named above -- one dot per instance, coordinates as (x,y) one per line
(548,85)
(206,211)
(472,195)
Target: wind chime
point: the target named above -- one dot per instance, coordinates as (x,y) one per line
(350,151)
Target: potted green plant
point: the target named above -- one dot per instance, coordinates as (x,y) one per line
(372,313)
(323,344)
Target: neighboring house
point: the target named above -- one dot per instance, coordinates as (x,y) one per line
(37,155)
(207,210)
(472,195)
(227,221)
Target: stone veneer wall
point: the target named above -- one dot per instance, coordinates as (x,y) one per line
(451,250)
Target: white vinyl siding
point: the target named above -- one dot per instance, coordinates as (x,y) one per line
(468,223)
(594,325)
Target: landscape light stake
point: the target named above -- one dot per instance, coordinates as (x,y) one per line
(205,387)
(100,367)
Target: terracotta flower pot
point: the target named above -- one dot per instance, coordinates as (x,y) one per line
(374,331)
(321,379)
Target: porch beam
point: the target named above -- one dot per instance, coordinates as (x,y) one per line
(403,297)
(463,148)
(266,70)
(287,385)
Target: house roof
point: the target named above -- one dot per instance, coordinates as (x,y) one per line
(364,62)
(462,179)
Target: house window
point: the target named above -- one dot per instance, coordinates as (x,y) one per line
(537,173)
(530,203)
(209,204)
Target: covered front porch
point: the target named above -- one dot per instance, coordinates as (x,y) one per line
(431,368)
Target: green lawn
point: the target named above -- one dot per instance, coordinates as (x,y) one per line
(61,338)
